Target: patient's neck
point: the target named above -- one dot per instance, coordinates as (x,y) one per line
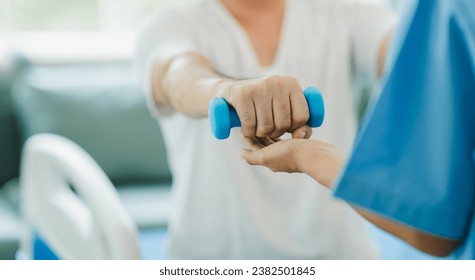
(262,20)
(245,10)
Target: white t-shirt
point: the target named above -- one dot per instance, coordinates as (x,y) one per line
(227,209)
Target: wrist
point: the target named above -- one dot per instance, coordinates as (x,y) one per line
(334,168)
(303,158)
(222,87)
(320,162)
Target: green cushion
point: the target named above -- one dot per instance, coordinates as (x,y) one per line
(9,134)
(99,107)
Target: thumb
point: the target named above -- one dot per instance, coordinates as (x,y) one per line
(303,132)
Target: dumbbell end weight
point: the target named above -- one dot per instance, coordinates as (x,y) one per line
(220,118)
(315,105)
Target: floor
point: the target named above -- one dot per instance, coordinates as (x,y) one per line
(153,244)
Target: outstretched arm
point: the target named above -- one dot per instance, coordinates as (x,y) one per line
(321,161)
(268,107)
(186,82)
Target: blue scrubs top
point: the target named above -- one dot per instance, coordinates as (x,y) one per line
(414,159)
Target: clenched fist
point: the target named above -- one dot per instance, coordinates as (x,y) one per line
(268,107)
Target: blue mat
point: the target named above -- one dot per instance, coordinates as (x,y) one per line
(153,244)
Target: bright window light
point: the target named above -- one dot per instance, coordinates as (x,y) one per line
(78,15)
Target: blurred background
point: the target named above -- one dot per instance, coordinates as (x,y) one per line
(65,68)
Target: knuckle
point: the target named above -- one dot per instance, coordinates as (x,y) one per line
(289,79)
(292,82)
(296,94)
(246,93)
(273,80)
(230,90)
(257,91)
(265,92)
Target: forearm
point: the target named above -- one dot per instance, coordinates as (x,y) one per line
(383,53)
(324,165)
(187,82)
(427,243)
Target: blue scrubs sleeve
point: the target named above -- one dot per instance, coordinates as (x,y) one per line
(413,161)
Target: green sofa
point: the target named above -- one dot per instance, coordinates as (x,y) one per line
(98,106)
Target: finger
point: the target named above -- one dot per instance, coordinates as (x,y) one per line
(252,143)
(265,141)
(303,132)
(299,107)
(247,115)
(264,114)
(282,115)
(251,157)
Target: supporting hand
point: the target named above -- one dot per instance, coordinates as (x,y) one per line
(316,158)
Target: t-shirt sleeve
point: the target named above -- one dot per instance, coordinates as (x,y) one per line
(163,34)
(413,161)
(368,26)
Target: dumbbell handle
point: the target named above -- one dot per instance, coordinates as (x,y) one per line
(223,116)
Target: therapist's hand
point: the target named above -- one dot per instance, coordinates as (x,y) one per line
(267,107)
(317,158)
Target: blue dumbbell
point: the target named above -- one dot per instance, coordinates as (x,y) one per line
(223,117)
